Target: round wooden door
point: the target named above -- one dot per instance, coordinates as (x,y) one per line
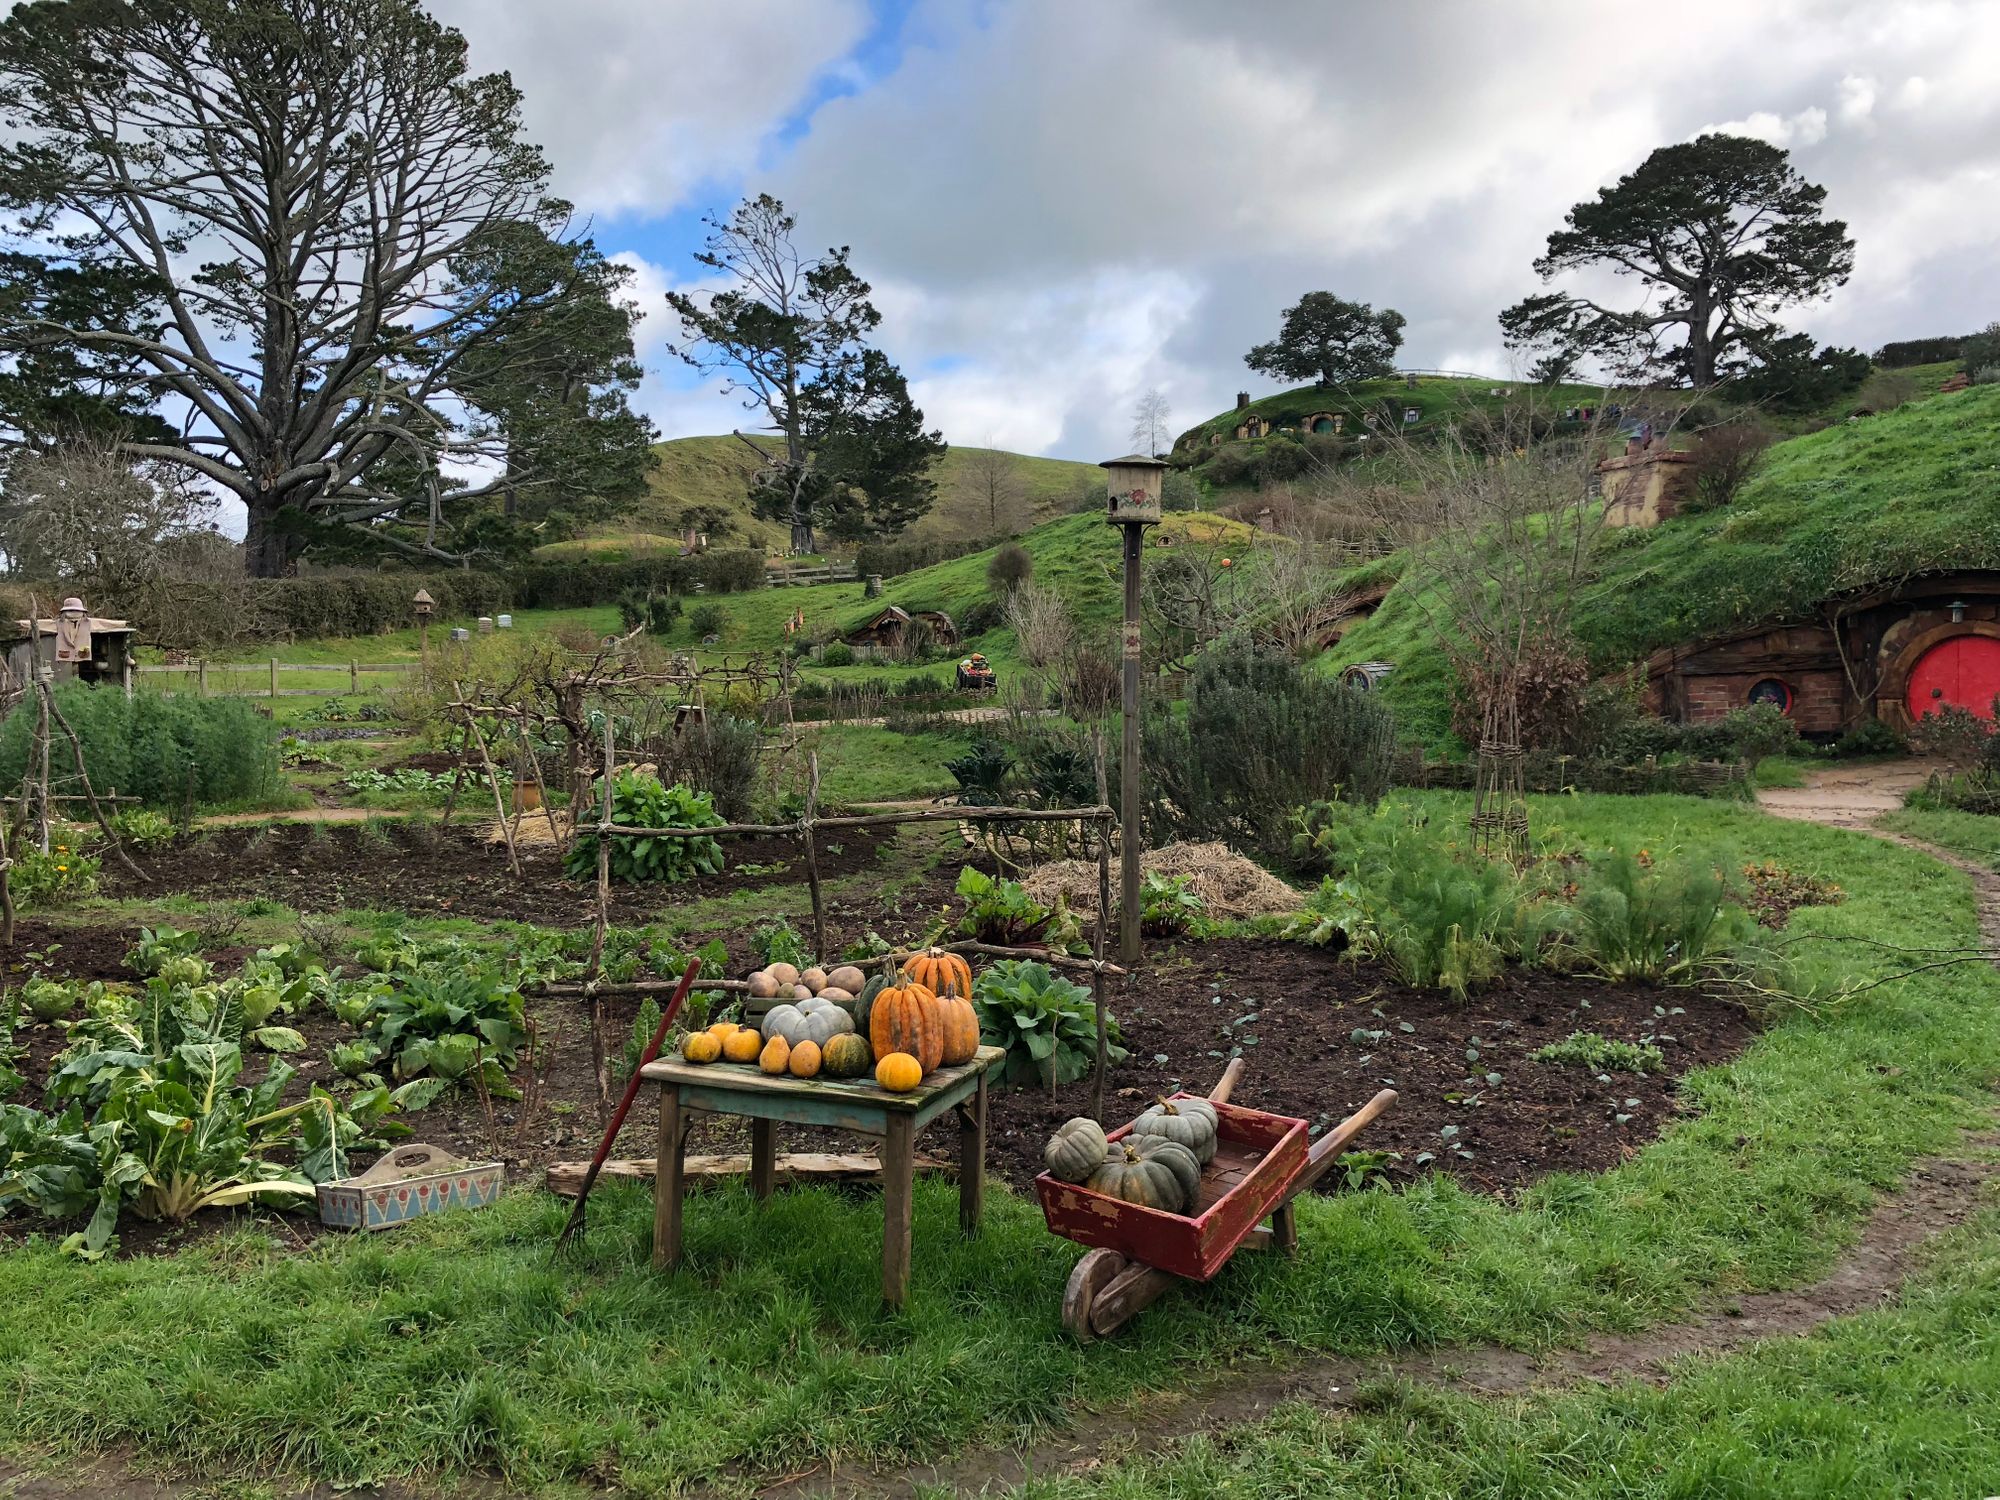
(1964,670)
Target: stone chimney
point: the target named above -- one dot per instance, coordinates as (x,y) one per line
(1646,484)
(1242,400)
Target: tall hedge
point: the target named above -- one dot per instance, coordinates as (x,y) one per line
(370,603)
(889,559)
(152,747)
(573,583)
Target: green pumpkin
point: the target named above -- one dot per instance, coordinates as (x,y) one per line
(1149,1171)
(1186,1122)
(864,1003)
(847,1055)
(1075,1151)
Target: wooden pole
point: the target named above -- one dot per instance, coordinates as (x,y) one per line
(1129,821)
(6,890)
(879,820)
(82,775)
(1097,946)
(598,1052)
(274,677)
(812,857)
(493,780)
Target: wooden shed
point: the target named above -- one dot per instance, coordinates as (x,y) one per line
(75,644)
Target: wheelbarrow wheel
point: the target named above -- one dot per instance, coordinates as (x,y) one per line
(1091,1275)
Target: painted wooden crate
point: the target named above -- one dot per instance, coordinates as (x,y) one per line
(406,1185)
(1257,1157)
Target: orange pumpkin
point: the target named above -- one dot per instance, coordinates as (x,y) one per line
(899,1072)
(906,1019)
(960,1025)
(742,1045)
(937,970)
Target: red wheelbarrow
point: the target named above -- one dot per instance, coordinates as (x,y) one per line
(1262,1163)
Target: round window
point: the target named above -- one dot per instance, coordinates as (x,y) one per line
(1774,692)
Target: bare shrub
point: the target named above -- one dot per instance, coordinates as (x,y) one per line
(1724,459)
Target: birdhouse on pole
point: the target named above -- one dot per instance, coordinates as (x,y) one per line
(1132,490)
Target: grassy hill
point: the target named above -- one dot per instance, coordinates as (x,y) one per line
(698,478)
(1434,396)
(1076,555)
(1911,491)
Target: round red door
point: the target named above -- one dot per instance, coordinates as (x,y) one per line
(1964,670)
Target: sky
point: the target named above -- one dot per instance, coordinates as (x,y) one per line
(1061,205)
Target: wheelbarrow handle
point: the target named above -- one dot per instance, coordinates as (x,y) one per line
(1326,1150)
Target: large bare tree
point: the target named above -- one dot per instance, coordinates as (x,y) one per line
(292,183)
(994,479)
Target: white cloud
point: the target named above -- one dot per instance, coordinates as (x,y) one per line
(639,101)
(1806,128)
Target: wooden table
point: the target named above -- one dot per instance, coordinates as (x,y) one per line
(858,1104)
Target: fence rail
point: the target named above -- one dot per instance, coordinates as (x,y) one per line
(777,578)
(223,679)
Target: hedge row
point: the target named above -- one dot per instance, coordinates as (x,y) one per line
(576,583)
(889,559)
(370,603)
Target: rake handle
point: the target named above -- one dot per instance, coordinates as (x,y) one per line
(631,1092)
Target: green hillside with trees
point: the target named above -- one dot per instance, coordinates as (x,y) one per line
(704,483)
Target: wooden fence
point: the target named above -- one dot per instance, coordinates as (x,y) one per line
(238,679)
(789,573)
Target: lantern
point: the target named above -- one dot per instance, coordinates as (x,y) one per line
(1132,490)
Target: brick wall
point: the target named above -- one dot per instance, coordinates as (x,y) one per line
(1819,698)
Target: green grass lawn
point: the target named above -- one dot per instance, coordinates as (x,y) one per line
(1888,1404)
(860,764)
(460,1345)
(1974,835)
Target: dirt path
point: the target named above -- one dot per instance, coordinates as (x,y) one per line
(1847,796)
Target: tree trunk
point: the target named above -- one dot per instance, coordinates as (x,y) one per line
(267,551)
(802,536)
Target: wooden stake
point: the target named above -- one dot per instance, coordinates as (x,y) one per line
(598,1053)
(812,857)
(493,780)
(1097,948)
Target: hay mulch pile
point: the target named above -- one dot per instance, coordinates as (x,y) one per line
(1231,887)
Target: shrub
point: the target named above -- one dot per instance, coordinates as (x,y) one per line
(1759,731)
(158,749)
(837,654)
(1982,350)
(656,612)
(1653,921)
(718,757)
(1047,1025)
(888,559)
(705,620)
(372,603)
(1010,568)
(1259,737)
(644,802)
(63,875)
(1953,734)
(1724,459)
(978,618)
(573,583)
(1871,737)
(143,829)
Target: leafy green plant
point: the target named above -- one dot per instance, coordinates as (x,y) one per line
(143,829)
(639,801)
(407,781)
(1047,1024)
(445,1020)
(63,875)
(1002,912)
(1601,1054)
(1333,916)
(158,944)
(51,1000)
(162,749)
(1654,920)
(705,620)
(1167,906)
(981,773)
(778,942)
